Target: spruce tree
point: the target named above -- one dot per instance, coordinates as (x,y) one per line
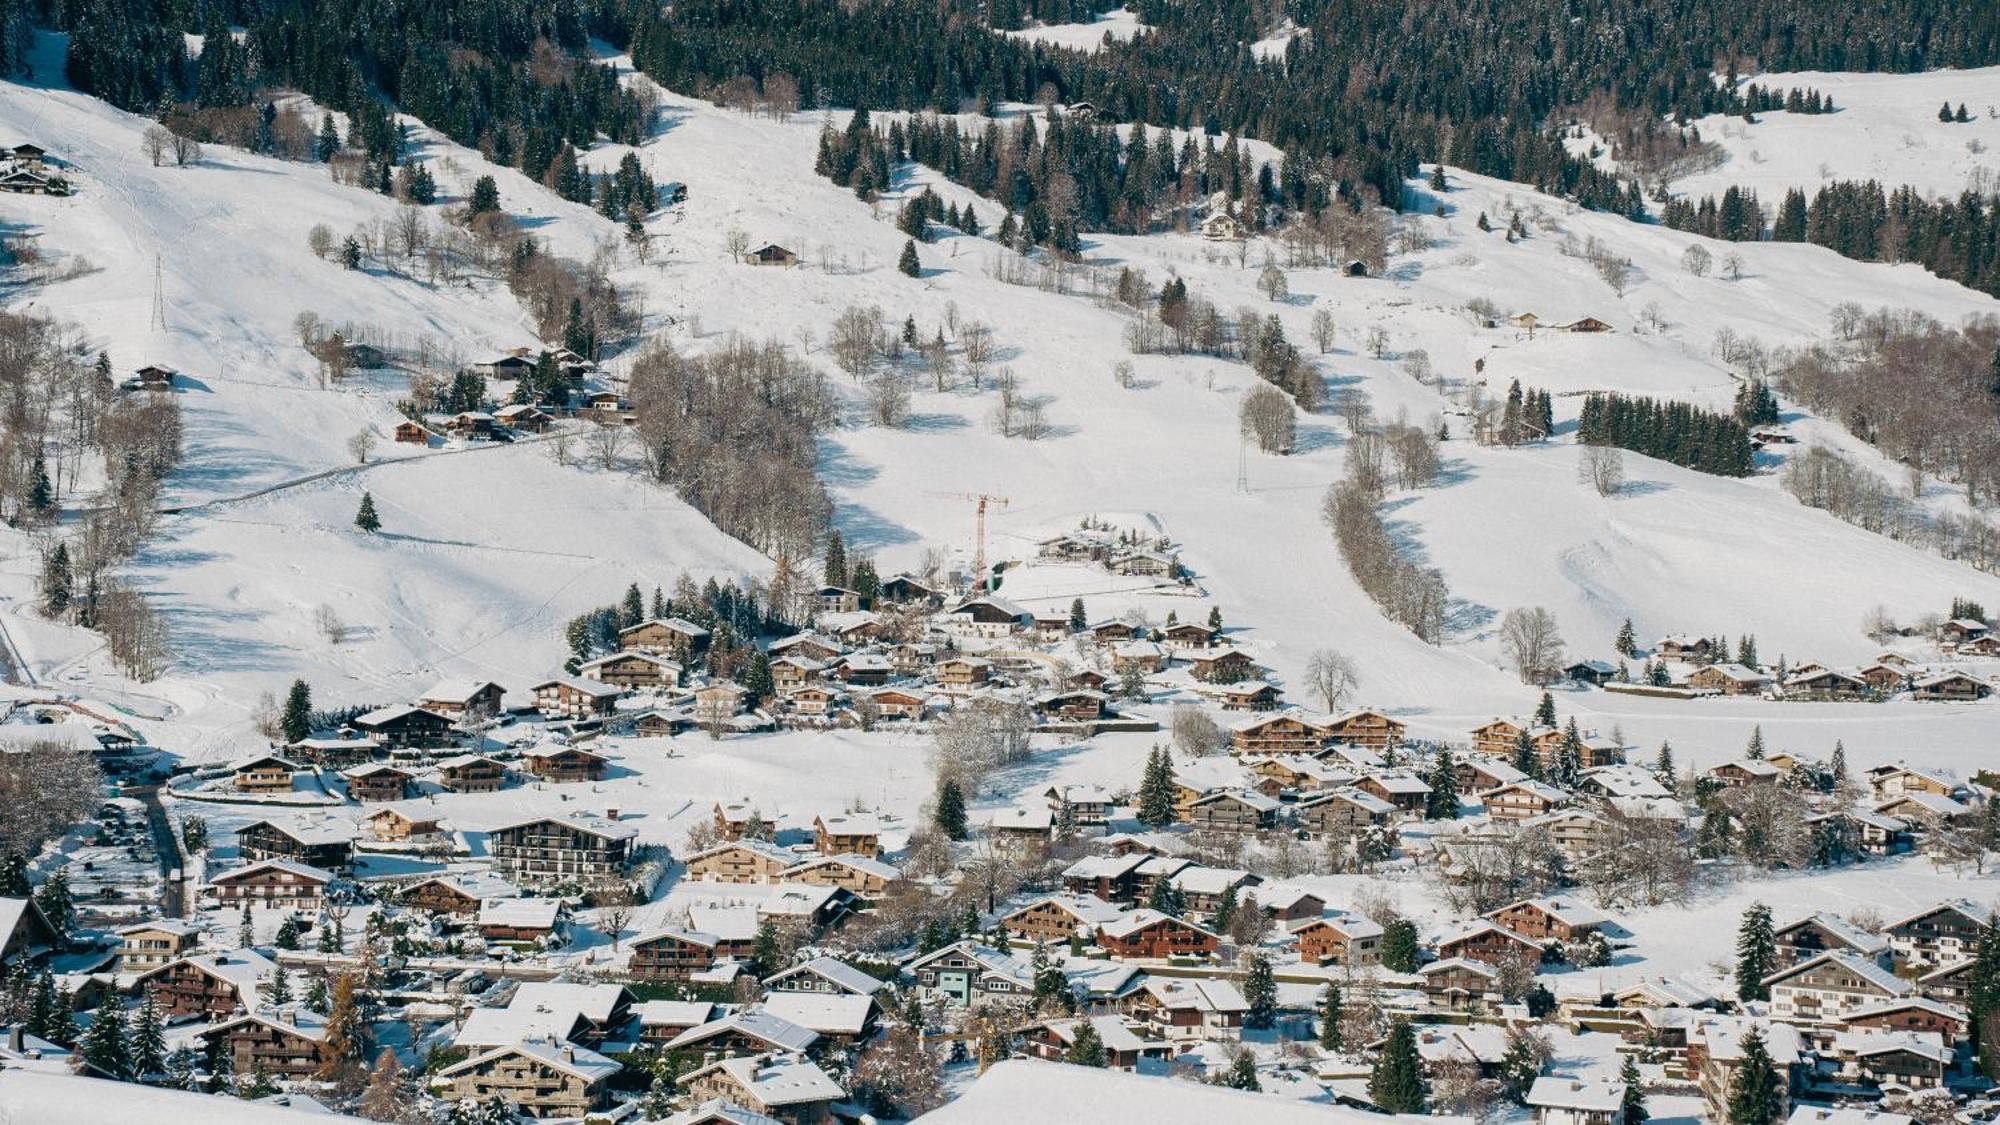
(835,571)
(365,517)
(1078,622)
(1396,1084)
(1982,996)
(1437,178)
(485,196)
(147,1043)
(1663,767)
(908,264)
(56,902)
(350,253)
(1329,1017)
(103,1048)
(1755,750)
(1087,1047)
(1260,989)
(1225,910)
(950,814)
(1400,949)
(1634,1100)
(295,723)
(41,490)
(1167,898)
(1545,711)
(57,581)
(1626,644)
(1756,953)
(328,145)
(1756,1091)
(1519,1068)
(1156,790)
(14,876)
(1442,801)
(1526,758)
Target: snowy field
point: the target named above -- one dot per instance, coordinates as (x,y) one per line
(1120,24)
(1887,129)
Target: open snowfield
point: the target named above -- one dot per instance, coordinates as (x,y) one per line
(1119,23)
(486,552)
(1886,129)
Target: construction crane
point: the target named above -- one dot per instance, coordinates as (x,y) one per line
(982,499)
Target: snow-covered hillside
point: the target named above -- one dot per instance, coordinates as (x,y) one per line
(1886,129)
(487,551)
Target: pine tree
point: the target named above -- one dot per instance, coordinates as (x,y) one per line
(908,264)
(41,490)
(1634,1100)
(1755,750)
(950,814)
(14,876)
(103,1048)
(1215,618)
(1545,711)
(350,253)
(835,571)
(1437,178)
(1442,801)
(1836,767)
(1519,1068)
(1400,949)
(295,723)
(1756,1091)
(1626,644)
(1225,910)
(1329,1018)
(1756,953)
(56,902)
(1569,757)
(1746,651)
(1087,1047)
(365,518)
(485,196)
(317,998)
(765,951)
(1260,989)
(1078,622)
(1663,767)
(56,581)
(288,934)
(757,680)
(1526,759)
(1396,1085)
(1156,790)
(328,145)
(1167,898)
(1982,998)
(148,1046)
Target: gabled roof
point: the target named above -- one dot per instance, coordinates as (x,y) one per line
(777,1080)
(850,860)
(582,1062)
(1568,911)
(754,1023)
(1965,908)
(459,692)
(1882,979)
(596,826)
(302,870)
(825,1013)
(836,972)
(1136,921)
(1846,932)
(679,625)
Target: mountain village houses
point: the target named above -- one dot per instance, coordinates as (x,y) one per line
(558,940)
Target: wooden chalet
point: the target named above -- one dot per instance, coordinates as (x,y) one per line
(276,883)
(771,254)
(848,833)
(1342,939)
(740,861)
(208,985)
(631,670)
(144,946)
(1221,666)
(1729,679)
(410,432)
(672,954)
(439,895)
(1951,687)
(777,1086)
(377,781)
(571,697)
(464,701)
(289,1046)
(472,773)
(1338,813)
(858,875)
(1566,920)
(264,773)
(1491,943)
(324,844)
(1280,732)
(964,671)
(1150,935)
(565,764)
(1372,729)
(674,637)
(403,726)
(1234,812)
(399,822)
(539,1079)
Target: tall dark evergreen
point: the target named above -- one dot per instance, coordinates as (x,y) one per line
(1757,1090)
(1396,1084)
(950,813)
(295,721)
(1756,953)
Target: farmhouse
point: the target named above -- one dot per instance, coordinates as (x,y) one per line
(664,636)
(570,697)
(403,726)
(463,701)
(565,763)
(631,670)
(472,773)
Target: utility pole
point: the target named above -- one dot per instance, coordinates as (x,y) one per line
(159,295)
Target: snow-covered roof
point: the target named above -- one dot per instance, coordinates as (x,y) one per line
(756,1023)
(674,1013)
(31,1095)
(1203,995)
(522,913)
(836,971)
(777,1080)
(456,692)
(1596,1096)
(828,1013)
(1874,974)
(851,860)
(1849,934)
(580,1061)
(290,867)
(1021,820)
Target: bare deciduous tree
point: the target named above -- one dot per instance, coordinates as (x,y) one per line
(1603,468)
(1324,330)
(1330,675)
(1195,733)
(155,142)
(1697,260)
(1533,643)
(360,445)
(1267,417)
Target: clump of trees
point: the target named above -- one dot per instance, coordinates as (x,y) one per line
(1671,431)
(45,787)
(1412,595)
(734,430)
